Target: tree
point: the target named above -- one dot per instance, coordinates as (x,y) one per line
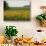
(5,5)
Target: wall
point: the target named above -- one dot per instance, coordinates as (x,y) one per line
(25,28)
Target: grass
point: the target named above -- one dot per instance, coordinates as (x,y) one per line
(14,14)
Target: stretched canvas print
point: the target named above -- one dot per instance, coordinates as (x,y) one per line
(16,10)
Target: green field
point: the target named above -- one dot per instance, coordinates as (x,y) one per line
(21,14)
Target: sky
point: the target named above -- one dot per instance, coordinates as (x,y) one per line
(17,3)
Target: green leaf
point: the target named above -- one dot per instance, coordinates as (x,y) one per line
(40,18)
(45,17)
(10,31)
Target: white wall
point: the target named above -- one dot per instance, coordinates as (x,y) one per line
(25,28)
